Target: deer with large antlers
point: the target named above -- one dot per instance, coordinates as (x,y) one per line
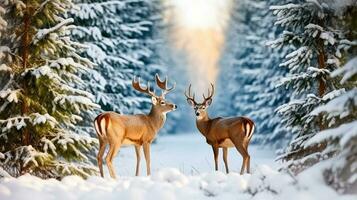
(222,132)
(138,130)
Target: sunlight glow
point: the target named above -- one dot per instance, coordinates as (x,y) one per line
(198,28)
(202,13)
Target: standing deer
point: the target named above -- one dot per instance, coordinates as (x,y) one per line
(222,132)
(138,130)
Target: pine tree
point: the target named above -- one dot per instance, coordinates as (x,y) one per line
(341,116)
(250,71)
(318,44)
(39,103)
(121,39)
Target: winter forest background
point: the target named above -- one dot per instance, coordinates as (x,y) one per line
(290,65)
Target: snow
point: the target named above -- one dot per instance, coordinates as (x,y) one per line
(190,154)
(173,178)
(347,71)
(328,36)
(10,95)
(345,132)
(44,32)
(33,118)
(337,105)
(4,67)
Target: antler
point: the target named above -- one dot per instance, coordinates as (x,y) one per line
(163,85)
(136,85)
(210,94)
(189,96)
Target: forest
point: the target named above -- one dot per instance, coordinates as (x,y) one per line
(69,68)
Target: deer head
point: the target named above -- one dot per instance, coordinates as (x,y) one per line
(159,103)
(200,108)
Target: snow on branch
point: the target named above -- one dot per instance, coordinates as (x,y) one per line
(52,70)
(300,56)
(315,30)
(344,132)
(75,101)
(44,32)
(283,7)
(41,119)
(72,142)
(19,122)
(3,51)
(26,155)
(75,168)
(44,70)
(10,95)
(5,68)
(48,145)
(92,10)
(348,71)
(338,106)
(303,79)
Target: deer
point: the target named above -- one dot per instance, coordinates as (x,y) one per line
(138,130)
(222,132)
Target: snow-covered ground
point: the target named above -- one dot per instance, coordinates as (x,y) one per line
(190,154)
(182,169)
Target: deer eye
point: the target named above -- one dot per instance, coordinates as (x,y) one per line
(203,107)
(162,102)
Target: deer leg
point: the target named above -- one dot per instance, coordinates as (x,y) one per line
(146,147)
(114,152)
(243,152)
(225,154)
(109,162)
(248,157)
(137,151)
(248,164)
(215,154)
(100,154)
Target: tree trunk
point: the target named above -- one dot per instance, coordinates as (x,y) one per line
(322,82)
(322,65)
(25,53)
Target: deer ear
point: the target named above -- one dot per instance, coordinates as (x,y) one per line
(154,100)
(190,102)
(208,102)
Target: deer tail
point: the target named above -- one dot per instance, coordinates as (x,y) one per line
(101,123)
(249,128)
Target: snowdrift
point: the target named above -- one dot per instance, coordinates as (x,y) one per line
(170,184)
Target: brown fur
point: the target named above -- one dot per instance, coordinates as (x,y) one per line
(140,130)
(226,133)
(223,132)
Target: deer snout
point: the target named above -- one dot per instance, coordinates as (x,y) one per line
(174,106)
(197,113)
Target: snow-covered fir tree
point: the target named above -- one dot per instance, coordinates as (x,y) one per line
(320,44)
(122,40)
(39,103)
(341,115)
(250,71)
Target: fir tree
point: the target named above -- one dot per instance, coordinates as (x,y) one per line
(250,72)
(310,29)
(340,113)
(121,39)
(39,103)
